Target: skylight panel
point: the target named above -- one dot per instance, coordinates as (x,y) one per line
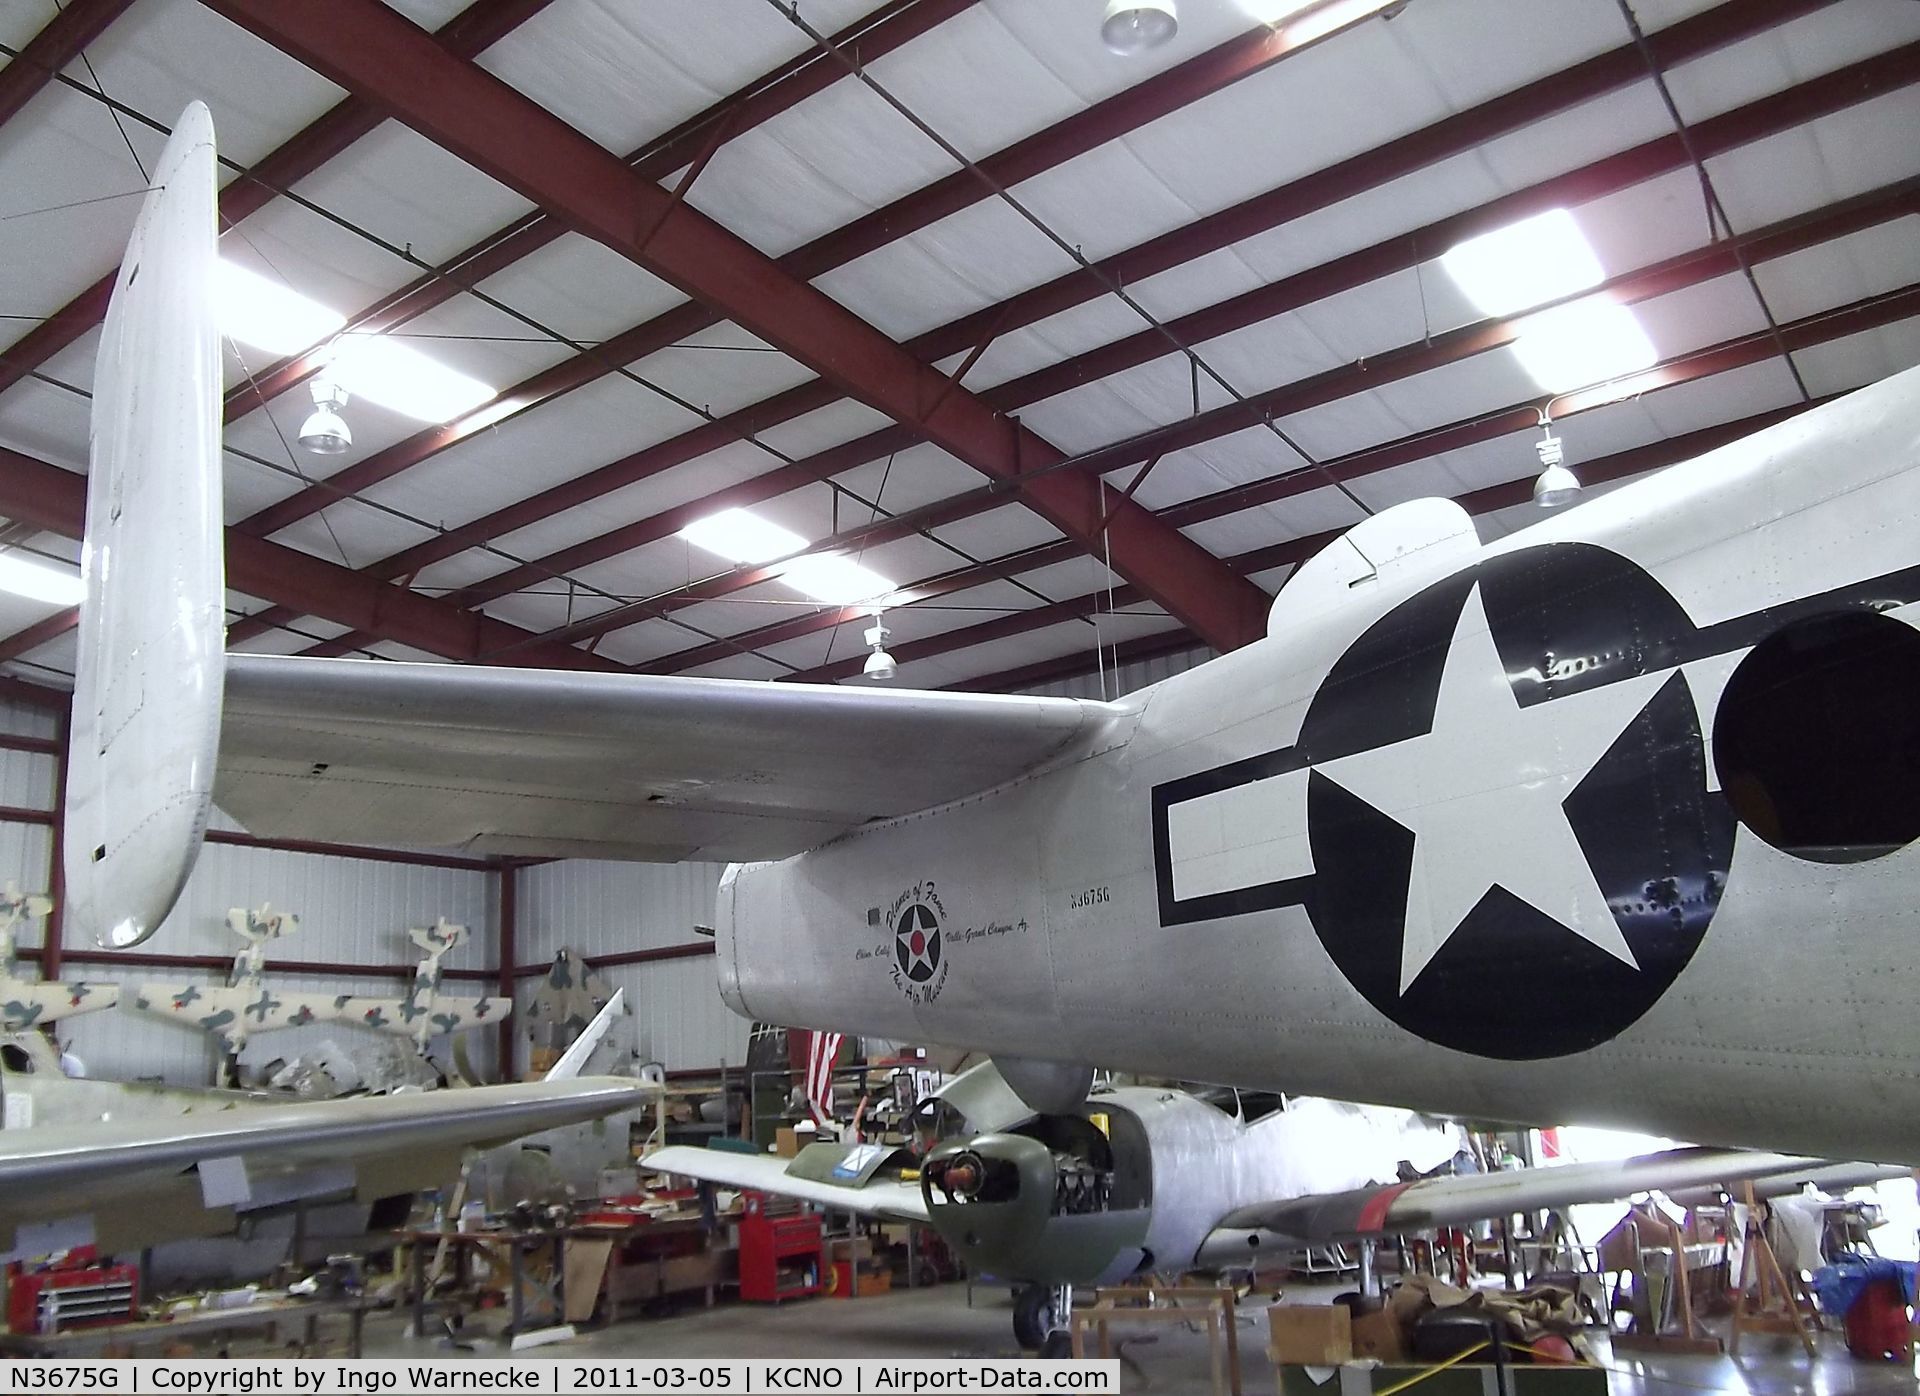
(836,580)
(269,314)
(39,582)
(1579,345)
(739,536)
(1538,259)
(399,377)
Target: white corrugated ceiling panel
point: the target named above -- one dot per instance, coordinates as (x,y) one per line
(581,289)
(1006,529)
(596,423)
(1868,263)
(162,54)
(1836,157)
(1860,358)
(624,74)
(1831,37)
(722,369)
(401,187)
(58,161)
(978,256)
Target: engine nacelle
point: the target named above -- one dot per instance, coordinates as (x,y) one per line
(1058,1200)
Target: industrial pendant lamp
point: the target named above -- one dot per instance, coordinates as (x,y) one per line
(879,664)
(1555,485)
(325,432)
(1134,26)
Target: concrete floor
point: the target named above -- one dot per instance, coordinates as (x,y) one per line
(938,1323)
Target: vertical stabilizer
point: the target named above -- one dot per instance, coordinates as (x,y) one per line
(574,1059)
(146,703)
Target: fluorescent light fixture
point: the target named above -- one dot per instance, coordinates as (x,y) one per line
(39,582)
(1528,263)
(836,580)
(269,314)
(399,377)
(739,536)
(1579,345)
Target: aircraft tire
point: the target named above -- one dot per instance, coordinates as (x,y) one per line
(1032,1316)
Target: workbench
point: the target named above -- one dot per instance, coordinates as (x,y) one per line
(127,1339)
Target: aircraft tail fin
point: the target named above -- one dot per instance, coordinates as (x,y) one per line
(442,936)
(575,1057)
(147,694)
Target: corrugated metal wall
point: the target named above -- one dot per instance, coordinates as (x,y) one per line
(602,909)
(352,910)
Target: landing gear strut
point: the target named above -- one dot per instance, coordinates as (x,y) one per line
(1041,1318)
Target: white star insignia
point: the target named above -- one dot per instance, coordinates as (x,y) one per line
(1482,793)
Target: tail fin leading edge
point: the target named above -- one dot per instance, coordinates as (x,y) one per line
(146,707)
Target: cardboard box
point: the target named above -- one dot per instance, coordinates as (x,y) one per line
(1310,1335)
(786,1142)
(1378,1335)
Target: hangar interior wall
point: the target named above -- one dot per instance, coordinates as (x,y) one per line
(352,910)
(610,910)
(635,920)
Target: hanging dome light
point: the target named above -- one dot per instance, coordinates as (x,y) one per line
(1134,26)
(879,664)
(1555,485)
(325,432)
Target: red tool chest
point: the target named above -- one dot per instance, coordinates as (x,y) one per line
(780,1250)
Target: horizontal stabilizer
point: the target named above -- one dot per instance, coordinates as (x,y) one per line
(629,766)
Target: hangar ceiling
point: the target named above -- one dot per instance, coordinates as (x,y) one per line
(1045,347)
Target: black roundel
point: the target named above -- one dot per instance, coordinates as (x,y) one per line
(1510,981)
(916,942)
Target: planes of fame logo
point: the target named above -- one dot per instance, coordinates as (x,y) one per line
(1515,847)
(919,968)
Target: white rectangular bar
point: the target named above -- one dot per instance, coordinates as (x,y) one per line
(1246,836)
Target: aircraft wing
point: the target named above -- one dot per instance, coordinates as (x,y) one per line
(239,1010)
(630,766)
(302,1132)
(846,1177)
(105,1178)
(30,1003)
(1454,1201)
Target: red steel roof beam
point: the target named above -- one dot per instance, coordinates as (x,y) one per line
(776,91)
(371,50)
(59,41)
(1752,122)
(1675,273)
(474,30)
(53,499)
(1478,502)
(1819,328)
(1219,67)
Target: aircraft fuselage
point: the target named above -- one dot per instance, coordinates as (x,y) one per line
(1528,830)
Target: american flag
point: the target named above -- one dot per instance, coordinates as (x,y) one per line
(822,1048)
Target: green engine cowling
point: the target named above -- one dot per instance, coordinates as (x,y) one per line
(1012,1207)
